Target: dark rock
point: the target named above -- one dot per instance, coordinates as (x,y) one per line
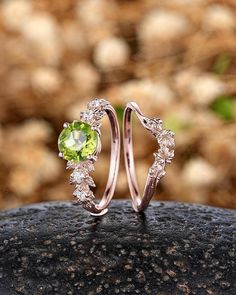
(58,248)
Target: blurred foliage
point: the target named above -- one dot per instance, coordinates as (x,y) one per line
(173,123)
(224,107)
(119,111)
(222,64)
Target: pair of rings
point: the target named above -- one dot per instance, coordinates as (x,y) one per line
(80,144)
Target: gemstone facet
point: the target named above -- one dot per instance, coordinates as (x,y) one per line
(78,141)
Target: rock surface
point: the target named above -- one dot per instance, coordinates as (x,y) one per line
(58,248)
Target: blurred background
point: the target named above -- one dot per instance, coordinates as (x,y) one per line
(176,59)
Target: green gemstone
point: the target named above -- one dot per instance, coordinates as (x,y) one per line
(77,141)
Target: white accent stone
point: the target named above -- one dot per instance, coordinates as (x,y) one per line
(87,116)
(98,104)
(95,104)
(166,138)
(81,195)
(78,176)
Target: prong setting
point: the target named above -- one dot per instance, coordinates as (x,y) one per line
(66,124)
(80,176)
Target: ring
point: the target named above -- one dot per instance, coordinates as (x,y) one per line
(80,143)
(165,154)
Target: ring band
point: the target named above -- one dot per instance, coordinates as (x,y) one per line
(165,154)
(80,143)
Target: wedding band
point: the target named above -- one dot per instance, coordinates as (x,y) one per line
(80,144)
(163,155)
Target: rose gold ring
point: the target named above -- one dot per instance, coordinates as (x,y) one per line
(80,143)
(164,154)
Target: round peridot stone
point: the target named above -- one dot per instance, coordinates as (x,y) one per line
(77,141)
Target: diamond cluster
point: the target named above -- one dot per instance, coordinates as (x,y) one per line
(94,113)
(80,176)
(165,153)
(83,181)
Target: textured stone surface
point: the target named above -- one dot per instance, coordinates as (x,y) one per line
(58,248)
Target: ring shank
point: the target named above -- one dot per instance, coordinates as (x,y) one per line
(101,208)
(139,203)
